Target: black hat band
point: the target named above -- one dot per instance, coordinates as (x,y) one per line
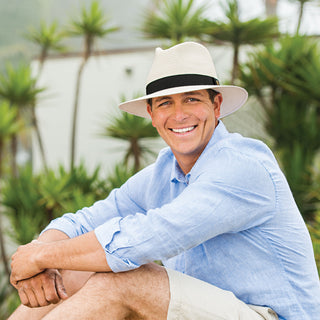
(181,80)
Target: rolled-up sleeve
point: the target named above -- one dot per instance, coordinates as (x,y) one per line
(237,196)
(116,205)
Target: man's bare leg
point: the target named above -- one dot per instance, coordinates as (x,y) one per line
(139,294)
(73,281)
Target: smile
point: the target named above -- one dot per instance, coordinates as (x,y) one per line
(183,130)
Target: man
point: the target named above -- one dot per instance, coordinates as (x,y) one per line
(214,207)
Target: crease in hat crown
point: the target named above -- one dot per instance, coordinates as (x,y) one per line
(184,58)
(183,68)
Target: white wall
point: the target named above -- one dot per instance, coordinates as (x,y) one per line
(104,80)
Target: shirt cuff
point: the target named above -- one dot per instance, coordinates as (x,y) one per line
(105,234)
(62,225)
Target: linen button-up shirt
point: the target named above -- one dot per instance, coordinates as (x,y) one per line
(231,221)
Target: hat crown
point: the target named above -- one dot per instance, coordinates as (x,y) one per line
(184,58)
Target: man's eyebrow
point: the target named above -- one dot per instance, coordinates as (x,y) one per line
(161,98)
(193,93)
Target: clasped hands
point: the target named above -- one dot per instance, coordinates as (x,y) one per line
(36,287)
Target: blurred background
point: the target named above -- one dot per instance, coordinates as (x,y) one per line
(66,65)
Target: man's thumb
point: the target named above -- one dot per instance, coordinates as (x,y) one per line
(61,289)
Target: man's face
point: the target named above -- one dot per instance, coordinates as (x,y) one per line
(186,122)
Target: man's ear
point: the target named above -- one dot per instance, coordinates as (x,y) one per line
(217,104)
(149,109)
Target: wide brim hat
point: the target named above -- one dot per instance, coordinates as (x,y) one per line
(183,68)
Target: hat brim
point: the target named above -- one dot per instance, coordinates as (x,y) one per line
(233,98)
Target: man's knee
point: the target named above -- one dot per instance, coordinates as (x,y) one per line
(131,286)
(74,280)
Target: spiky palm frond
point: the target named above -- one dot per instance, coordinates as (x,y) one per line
(47,37)
(238,33)
(282,76)
(91,22)
(133,129)
(8,121)
(90,25)
(176,20)
(17,85)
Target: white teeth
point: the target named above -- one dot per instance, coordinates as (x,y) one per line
(183,130)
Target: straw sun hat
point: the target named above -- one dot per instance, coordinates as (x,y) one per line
(185,67)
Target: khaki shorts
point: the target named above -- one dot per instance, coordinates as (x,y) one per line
(193,299)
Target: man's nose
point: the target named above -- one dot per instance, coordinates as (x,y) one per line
(179,112)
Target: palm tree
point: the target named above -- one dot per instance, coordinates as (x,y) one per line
(90,25)
(18,87)
(8,127)
(281,77)
(47,37)
(176,20)
(301,11)
(238,33)
(133,129)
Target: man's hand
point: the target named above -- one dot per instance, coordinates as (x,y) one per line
(24,262)
(43,289)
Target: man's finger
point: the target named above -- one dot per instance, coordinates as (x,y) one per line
(32,300)
(23,297)
(49,286)
(60,288)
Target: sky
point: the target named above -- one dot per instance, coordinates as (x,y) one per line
(287,12)
(17,17)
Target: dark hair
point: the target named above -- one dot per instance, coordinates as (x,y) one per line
(212,93)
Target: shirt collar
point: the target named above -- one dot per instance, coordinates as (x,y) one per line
(177,175)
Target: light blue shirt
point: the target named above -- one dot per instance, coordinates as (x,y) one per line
(231,221)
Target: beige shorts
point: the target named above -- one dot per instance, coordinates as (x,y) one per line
(193,299)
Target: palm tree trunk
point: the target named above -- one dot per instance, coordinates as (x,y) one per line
(136,153)
(43,56)
(300,16)
(39,138)
(235,68)
(14,148)
(75,115)
(87,52)
(2,241)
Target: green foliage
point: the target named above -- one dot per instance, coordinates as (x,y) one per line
(175,20)
(47,36)
(17,85)
(314,230)
(135,130)
(119,176)
(274,75)
(31,201)
(8,123)
(9,295)
(91,23)
(301,10)
(238,33)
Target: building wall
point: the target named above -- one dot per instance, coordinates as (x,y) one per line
(105,78)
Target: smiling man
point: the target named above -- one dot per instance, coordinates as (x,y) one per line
(186,122)
(215,208)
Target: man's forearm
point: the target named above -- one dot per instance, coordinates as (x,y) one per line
(52,235)
(83,253)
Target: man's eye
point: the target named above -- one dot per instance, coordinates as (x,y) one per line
(163,104)
(190,99)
